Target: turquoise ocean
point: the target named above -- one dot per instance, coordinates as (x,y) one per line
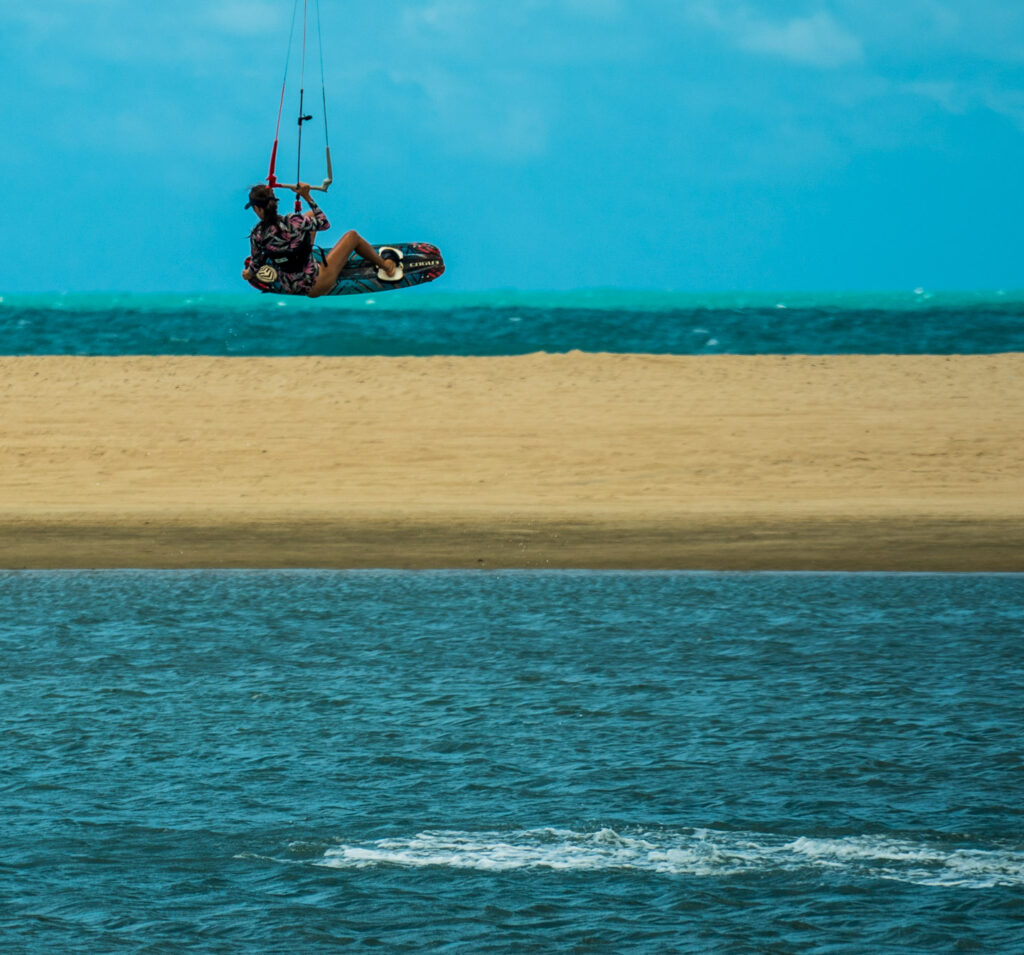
(312,761)
(423,322)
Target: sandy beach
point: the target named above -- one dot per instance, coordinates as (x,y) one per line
(568,460)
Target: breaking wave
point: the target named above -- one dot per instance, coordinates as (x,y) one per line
(692,852)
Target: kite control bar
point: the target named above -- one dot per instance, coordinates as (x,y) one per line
(321,188)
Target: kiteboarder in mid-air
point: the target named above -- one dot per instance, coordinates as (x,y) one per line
(283,258)
(283,253)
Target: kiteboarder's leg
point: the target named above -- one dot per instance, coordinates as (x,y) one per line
(350,242)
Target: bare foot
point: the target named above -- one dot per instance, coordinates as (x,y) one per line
(389,266)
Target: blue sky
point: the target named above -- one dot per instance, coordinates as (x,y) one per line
(547,144)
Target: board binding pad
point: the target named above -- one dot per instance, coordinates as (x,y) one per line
(420,262)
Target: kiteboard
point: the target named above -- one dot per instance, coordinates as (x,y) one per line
(417,262)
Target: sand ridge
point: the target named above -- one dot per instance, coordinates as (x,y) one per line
(631,460)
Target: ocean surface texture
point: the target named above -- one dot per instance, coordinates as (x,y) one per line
(435,323)
(508,762)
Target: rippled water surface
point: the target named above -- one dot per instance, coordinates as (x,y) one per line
(603,762)
(509,323)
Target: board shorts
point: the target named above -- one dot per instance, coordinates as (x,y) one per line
(299,283)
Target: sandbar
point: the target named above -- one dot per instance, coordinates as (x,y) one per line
(882,462)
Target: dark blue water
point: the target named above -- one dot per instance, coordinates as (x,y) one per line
(408,323)
(505,762)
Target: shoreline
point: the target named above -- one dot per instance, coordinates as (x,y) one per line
(907,544)
(546,460)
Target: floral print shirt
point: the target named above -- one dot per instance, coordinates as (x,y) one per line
(291,232)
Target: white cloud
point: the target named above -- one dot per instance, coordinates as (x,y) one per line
(946,93)
(960,97)
(245,17)
(41,20)
(814,40)
(449,18)
(471,120)
(596,9)
(919,31)
(1005,102)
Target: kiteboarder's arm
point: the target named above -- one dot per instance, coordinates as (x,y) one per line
(315,214)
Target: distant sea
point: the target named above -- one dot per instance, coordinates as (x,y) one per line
(506,762)
(424,322)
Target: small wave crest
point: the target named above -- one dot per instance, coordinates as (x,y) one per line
(694,852)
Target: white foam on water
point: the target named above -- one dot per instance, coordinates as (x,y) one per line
(692,852)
